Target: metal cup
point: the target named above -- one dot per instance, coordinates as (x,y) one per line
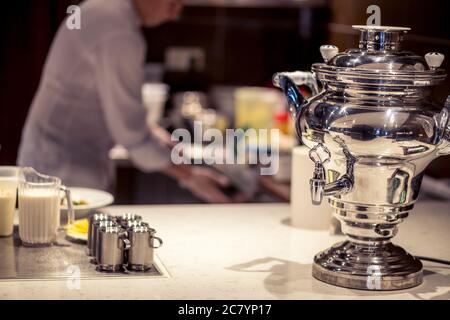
(112,243)
(125,218)
(96,230)
(142,240)
(91,232)
(128,225)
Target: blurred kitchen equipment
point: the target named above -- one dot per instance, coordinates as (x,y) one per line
(285,148)
(304,214)
(8,194)
(243,179)
(96,225)
(91,231)
(371,132)
(112,242)
(154,72)
(142,243)
(187,106)
(255,106)
(154,97)
(39,207)
(222,99)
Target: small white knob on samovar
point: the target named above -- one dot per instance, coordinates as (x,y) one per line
(434,59)
(328,51)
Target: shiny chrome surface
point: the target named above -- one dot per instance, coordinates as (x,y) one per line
(112,242)
(141,253)
(91,232)
(379,62)
(96,225)
(372,131)
(358,266)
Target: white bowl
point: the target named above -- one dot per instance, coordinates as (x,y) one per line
(96,199)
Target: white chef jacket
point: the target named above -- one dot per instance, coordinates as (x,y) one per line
(89,100)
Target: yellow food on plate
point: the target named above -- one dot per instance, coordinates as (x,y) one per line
(76,200)
(80,226)
(80,202)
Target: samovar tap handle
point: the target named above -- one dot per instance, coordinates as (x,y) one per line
(317,184)
(288,82)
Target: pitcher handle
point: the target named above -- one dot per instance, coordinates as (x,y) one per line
(70,211)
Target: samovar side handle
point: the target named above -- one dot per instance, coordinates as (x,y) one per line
(288,82)
(444,148)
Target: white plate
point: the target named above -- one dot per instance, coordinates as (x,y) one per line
(96,199)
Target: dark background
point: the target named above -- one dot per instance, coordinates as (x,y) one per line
(243,45)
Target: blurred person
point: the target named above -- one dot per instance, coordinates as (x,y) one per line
(89,99)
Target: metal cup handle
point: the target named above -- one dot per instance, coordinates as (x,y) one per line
(126,242)
(152,241)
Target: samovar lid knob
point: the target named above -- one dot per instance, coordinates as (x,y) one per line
(434,59)
(328,52)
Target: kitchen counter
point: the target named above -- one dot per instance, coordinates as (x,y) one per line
(249,252)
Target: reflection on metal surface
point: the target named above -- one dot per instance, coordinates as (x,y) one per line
(376,119)
(348,264)
(398,187)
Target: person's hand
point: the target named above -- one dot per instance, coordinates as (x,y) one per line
(202,182)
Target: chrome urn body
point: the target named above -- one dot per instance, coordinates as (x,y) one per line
(372,130)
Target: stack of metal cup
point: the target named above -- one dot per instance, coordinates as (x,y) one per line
(117,243)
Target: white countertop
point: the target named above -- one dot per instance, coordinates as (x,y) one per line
(249,252)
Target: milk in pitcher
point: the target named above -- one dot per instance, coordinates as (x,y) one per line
(39,216)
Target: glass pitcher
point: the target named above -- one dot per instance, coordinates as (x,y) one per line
(39,207)
(8,193)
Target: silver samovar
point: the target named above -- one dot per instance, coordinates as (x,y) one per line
(372,130)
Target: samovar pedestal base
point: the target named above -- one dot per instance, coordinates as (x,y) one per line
(368,267)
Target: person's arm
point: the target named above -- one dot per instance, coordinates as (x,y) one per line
(119,77)
(201,181)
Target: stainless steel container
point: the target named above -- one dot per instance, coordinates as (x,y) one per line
(112,243)
(126,218)
(372,130)
(91,232)
(142,241)
(96,231)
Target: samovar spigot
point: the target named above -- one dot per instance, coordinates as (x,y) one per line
(318,185)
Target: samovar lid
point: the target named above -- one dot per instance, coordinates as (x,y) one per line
(379,61)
